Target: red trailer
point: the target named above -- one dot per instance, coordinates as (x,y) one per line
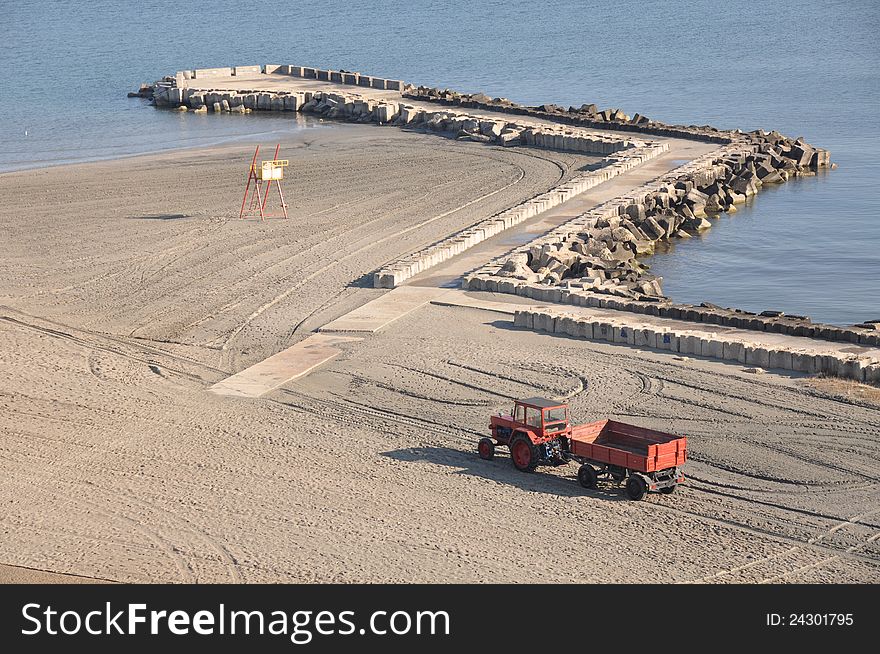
(538,432)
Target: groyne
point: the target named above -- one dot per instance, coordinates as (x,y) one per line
(736,346)
(599,249)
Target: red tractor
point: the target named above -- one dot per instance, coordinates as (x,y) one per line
(538,432)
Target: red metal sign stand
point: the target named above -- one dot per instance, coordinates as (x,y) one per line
(254,199)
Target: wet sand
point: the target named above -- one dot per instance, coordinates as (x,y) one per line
(129,288)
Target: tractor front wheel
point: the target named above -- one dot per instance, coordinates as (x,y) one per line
(587,476)
(523,454)
(486,449)
(636,488)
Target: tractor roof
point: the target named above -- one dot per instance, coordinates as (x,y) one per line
(540,402)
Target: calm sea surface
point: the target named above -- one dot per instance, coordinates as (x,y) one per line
(805,68)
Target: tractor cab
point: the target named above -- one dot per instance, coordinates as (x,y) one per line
(544,417)
(536,432)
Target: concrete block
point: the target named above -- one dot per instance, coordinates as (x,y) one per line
(310,73)
(545,322)
(246,70)
(780,359)
(273,68)
(621,334)
(567,325)
(323,75)
(336,76)
(644,338)
(394,85)
(757,356)
(689,345)
(803,362)
(585,329)
(733,351)
(828,364)
(850,369)
(384,280)
(871,374)
(350,78)
(365,80)
(202,73)
(291,103)
(603,331)
(378,83)
(386,112)
(667,341)
(711,348)
(524,319)
(295,71)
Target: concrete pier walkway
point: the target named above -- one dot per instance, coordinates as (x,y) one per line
(384,310)
(287,365)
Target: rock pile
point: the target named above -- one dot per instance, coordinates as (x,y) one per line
(586,115)
(354,107)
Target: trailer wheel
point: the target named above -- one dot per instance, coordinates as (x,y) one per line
(522,452)
(486,449)
(587,476)
(669,490)
(636,488)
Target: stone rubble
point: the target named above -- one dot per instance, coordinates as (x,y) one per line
(598,251)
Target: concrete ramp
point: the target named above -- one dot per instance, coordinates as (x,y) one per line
(384,310)
(287,365)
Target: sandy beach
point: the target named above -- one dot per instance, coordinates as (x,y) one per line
(127,288)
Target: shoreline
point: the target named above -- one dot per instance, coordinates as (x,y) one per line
(218,141)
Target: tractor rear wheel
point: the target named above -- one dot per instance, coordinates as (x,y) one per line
(587,476)
(636,488)
(486,449)
(523,453)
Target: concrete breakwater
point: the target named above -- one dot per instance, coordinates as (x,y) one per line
(766,352)
(587,115)
(402,269)
(774,322)
(591,260)
(355,107)
(598,250)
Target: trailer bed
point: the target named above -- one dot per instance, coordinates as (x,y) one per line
(627,446)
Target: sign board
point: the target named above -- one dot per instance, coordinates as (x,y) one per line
(272,170)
